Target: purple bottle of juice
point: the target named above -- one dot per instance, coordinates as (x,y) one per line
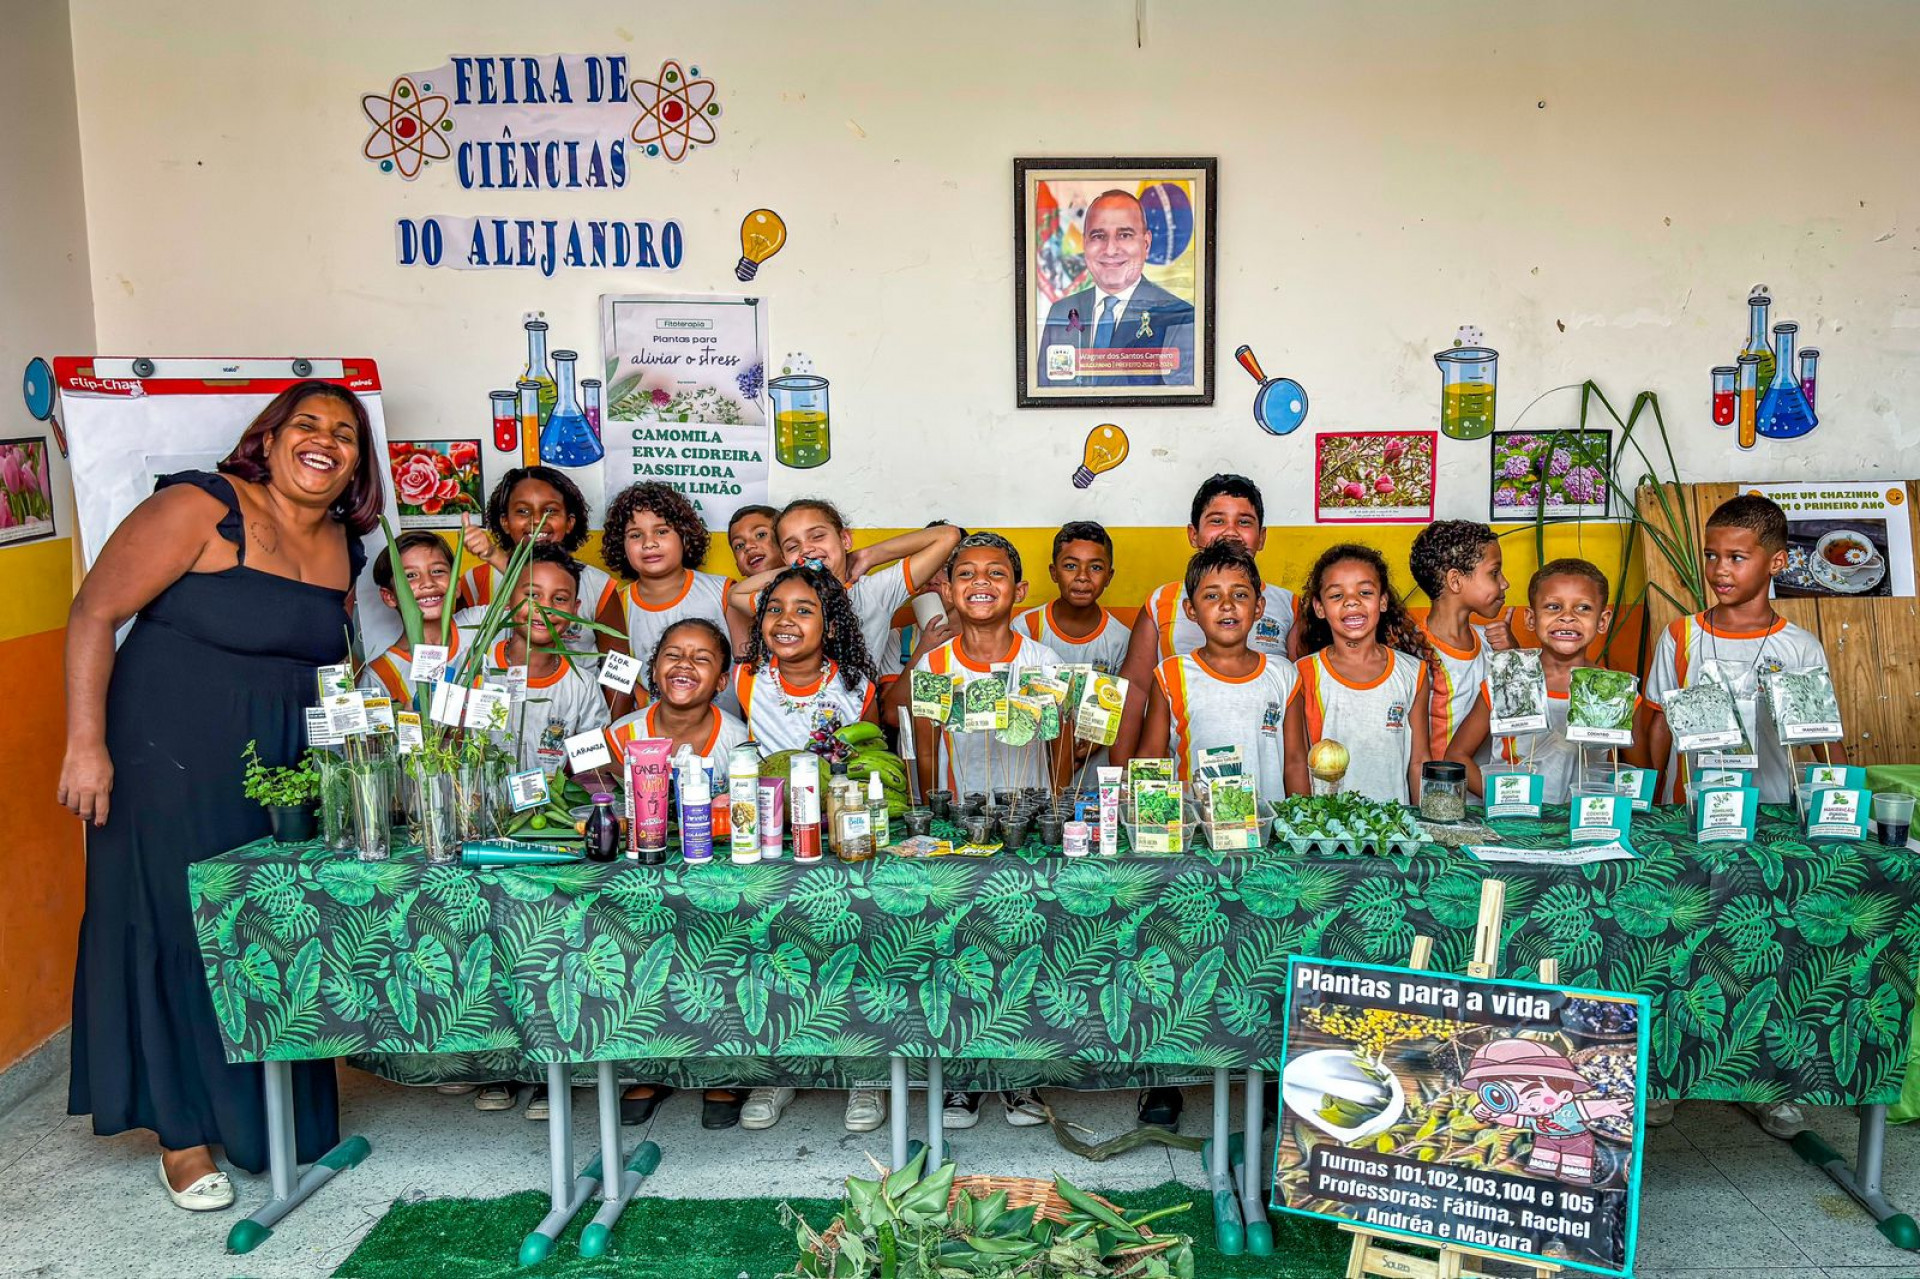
(603,830)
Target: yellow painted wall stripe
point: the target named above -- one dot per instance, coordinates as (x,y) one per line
(36,586)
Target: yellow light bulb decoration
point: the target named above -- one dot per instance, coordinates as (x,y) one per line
(1106,449)
(762,234)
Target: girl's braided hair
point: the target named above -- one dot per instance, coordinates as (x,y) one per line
(842,640)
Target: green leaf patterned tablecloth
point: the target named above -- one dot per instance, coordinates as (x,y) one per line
(1776,970)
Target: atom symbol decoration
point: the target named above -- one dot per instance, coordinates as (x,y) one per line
(409,130)
(677,111)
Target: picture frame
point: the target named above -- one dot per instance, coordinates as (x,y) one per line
(1374,477)
(1155,276)
(1568,468)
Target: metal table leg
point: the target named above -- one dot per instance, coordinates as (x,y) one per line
(615,1191)
(898,1100)
(936,1102)
(290,1186)
(1252,1169)
(1229,1231)
(568,1191)
(1862,1181)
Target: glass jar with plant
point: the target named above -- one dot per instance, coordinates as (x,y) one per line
(287,793)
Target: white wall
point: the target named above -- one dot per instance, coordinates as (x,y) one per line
(1594,186)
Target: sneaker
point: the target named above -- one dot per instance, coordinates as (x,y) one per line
(538,1107)
(1024,1108)
(454,1090)
(1659,1112)
(962,1110)
(866,1109)
(1782,1119)
(764,1108)
(498,1096)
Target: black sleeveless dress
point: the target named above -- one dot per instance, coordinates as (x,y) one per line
(217,659)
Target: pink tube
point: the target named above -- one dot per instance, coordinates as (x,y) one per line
(648,774)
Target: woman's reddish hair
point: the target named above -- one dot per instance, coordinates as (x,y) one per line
(366,495)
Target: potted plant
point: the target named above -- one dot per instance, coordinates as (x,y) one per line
(287,793)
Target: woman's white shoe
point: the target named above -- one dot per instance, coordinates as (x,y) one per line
(209,1194)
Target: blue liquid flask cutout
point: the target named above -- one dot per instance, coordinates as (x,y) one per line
(567,439)
(1784,413)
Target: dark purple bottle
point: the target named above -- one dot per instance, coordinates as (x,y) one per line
(603,830)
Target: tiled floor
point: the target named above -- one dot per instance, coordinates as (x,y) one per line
(1722,1199)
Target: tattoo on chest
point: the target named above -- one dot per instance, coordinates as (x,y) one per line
(266,536)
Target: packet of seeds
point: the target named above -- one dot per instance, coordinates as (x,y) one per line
(1745,686)
(933,700)
(1600,706)
(1517,693)
(1703,717)
(1804,705)
(985,701)
(1097,714)
(1049,688)
(1231,811)
(1158,819)
(1023,722)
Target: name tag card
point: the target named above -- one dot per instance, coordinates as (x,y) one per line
(489,708)
(1838,812)
(619,672)
(1725,814)
(334,679)
(527,790)
(1600,819)
(406,726)
(318,734)
(379,714)
(588,750)
(346,713)
(428,661)
(1514,794)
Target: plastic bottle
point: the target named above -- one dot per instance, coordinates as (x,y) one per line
(878,819)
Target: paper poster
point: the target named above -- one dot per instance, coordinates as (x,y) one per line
(435,482)
(1843,539)
(1567,470)
(1501,1115)
(1376,477)
(685,397)
(26,490)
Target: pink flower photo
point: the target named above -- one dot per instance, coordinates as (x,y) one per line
(435,482)
(26,491)
(1378,477)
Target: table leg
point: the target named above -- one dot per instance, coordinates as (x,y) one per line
(897,1103)
(936,1102)
(1862,1181)
(290,1186)
(1253,1169)
(568,1191)
(617,1190)
(1229,1232)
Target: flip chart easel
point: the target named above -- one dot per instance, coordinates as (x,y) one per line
(1378,1256)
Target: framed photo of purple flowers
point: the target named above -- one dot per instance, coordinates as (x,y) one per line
(1563,471)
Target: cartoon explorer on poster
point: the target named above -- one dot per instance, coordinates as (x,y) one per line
(1532,1087)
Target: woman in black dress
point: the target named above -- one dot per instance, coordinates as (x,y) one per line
(239,585)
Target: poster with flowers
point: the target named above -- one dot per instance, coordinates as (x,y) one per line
(26,491)
(435,482)
(1567,469)
(1374,477)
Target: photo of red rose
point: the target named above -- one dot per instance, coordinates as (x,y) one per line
(435,482)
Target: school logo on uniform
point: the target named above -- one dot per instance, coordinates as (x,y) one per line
(1268,634)
(1396,717)
(553,739)
(1270,719)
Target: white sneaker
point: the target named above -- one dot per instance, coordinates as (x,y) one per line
(1024,1108)
(764,1108)
(866,1109)
(961,1110)
(209,1194)
(1782,1119)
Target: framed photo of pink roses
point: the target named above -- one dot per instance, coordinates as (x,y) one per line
(1374,477)
(1556,472)
(435,482)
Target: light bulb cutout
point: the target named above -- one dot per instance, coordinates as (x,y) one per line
(762,234)
(1106,449)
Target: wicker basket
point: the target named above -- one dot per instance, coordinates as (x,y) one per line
(1022,1192)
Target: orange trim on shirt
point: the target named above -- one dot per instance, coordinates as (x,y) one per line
(712,737)
(386,669)
(1163,604)
(559,673)
(1257,672)
(476,584)
(1392,662)
(1779,624)
(828,670)
(1311,704)
(1682,644)
(686,589)
(1032,618)
(743,692)
(1440,725)
(906,574)
(1458,655)
(1013,650)
(1171,676)
(1053,624)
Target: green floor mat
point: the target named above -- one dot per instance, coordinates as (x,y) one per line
(726,1238)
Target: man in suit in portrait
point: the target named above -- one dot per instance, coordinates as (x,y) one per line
(1122,310)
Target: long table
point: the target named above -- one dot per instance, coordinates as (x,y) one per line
(1777,971)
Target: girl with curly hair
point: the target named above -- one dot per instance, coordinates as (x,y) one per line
(530,498)
(655,541)
(1363,681)
(806,667)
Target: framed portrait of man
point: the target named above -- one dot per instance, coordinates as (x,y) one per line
(1113,281)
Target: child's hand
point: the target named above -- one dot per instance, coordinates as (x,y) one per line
(932,636)
(858,562)
(1500,633)
(478,541)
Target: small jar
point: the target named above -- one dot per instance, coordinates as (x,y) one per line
(1013,832)
(1443,791)
(973,803)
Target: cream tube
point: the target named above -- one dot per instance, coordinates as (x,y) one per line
(648,775)
(1109,811)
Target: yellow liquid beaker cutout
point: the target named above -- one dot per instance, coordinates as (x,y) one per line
(802,429)
(1468,384)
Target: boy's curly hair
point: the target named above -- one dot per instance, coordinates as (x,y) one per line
(671,505)
(570,497)
(1446,546)
(841,641)
(1397,627)
(715,633)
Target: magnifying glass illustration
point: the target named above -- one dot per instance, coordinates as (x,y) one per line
(1280,405)
(37,388)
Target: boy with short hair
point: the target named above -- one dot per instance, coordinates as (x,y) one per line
(1076,625)
(1226,505)
(1458,564)
(428,568)
(1567,607)
(560,699)
(750,535)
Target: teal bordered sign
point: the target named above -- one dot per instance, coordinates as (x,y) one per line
(1449,1109)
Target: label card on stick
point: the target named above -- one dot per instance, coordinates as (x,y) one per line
(333,679)
(489,708)
(1514,794)
(619,671)
(1838,812)
(346,713)
(407,727)
(1598,819)
(1637,784)
(515,680)
(1725,814)
(588,750)
(379,714)
(449,704)
(318,734)
(527,790)
(428,661)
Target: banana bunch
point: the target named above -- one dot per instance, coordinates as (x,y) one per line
(870,756)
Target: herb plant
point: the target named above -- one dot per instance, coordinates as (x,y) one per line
(294,786)
(1601,699)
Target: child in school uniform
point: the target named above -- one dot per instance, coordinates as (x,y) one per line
(655,541)
(1076,625)
(428,568)
(534,501)
(1223,693)
(1224,506)
(1458,564)
(806,668)
(561,699)
(751,539)
(1363,681)
(1567,608)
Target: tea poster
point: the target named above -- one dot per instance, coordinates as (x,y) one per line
(1844,539)
(1501,1115)
(686,398)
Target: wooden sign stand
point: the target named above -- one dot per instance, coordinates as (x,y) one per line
(1377,1256)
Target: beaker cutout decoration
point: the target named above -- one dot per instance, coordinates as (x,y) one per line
(1280,405)
(506,420)
(1785,412)
(802,434)
(1468,379)
(567,439)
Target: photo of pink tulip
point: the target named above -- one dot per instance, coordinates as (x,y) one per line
(26,491)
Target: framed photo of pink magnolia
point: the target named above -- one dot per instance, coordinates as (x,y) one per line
(1373,477)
